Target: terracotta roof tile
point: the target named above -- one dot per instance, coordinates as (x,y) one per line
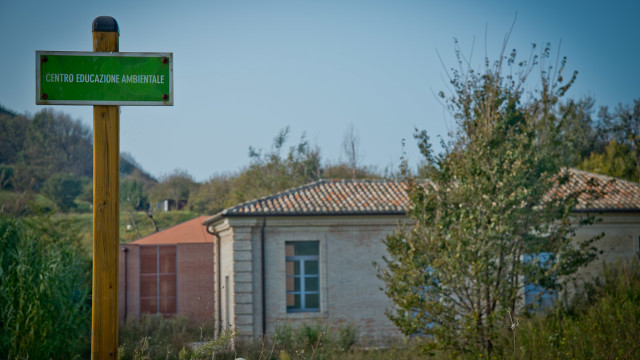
(188,232)
(608,194)
(330,197)
(389,197)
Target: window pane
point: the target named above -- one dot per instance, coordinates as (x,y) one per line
(167,259)
(168,305)
(149,305)
(167,285)
(311,267)
(306,248)
(311,284)
(293,301)
(312,301)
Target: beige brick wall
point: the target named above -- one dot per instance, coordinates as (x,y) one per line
(620,241)
(349,288)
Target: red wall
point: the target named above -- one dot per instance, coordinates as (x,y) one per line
(195,289)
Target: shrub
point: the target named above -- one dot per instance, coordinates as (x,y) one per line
(602,322)
(157,337)
(63,190)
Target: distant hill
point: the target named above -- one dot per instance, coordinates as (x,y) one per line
(51,154)
(6,111)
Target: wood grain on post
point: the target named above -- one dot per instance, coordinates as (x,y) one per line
(106,192)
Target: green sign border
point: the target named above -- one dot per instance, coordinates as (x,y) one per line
(137,102)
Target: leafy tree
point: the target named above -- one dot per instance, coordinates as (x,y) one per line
(214,195)
(12,135)
(177,186)
(53,143)
(133,194)
(46,280)
(63,189)
(578,131)
(616,160)
(270,172)
(485,209)
(624,126)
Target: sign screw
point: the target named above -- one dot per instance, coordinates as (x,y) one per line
(164,97)
(44,59)
(165,60)
(44,96)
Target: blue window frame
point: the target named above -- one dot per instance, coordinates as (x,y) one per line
(303,276)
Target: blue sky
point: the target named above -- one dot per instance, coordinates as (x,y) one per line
(244,70)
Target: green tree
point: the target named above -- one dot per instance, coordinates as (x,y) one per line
(271,172)
(53,143)
(176,186)
(12,135)
(63,189)
(44,287)
(616,160)
(623,125)
(213,196)
(485,208)
(578,131)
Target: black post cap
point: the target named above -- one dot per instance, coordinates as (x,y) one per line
(106,24)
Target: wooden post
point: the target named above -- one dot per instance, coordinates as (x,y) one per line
(106,192)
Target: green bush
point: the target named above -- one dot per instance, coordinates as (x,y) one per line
(6,173)
(63,189)
(602,323)
(44,287)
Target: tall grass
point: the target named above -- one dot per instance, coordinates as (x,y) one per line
(45,280)
(156,337)
(602,323)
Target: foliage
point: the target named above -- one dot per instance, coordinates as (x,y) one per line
(44,311)
(176,186)
(603,322)
(133,194)
(212,347)
(63,189)
(578,131)
(12,134)
(214,195)
(616,160)
(623,125)
(270,172)
(53,143)
(156,337)
(485,208)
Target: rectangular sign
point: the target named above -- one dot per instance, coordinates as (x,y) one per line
(101,78)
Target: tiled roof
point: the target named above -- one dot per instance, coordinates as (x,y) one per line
(330,197)
(188,232)
(609,194)
(387,197)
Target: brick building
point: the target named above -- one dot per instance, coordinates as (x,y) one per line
(168,272)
